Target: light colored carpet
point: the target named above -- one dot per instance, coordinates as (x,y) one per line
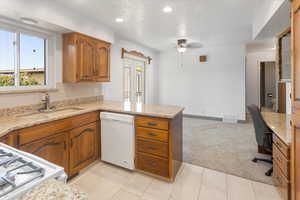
(225,147)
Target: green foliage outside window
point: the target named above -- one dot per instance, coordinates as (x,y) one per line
(25,79)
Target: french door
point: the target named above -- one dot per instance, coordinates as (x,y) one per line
(295,30)
(134,80)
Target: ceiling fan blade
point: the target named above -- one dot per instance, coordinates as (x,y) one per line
(194,45)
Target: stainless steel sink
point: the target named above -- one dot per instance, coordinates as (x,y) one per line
(55,110)
(45,113)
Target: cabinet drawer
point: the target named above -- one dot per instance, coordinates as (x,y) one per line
(283,185)
(153,164)
(34,133)
(151,122)
(83,119)
(282,162)
(152,134)
(153,147)
(282,146)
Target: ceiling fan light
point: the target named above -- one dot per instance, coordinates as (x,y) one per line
(181,49)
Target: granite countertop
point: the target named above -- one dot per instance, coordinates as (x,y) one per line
(8,124)
(54,190)
(280,124)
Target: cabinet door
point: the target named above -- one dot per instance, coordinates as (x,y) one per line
(83,146)
(295,30)
(53,149)
(85,59)
(102,65)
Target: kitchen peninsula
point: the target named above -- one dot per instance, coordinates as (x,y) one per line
(70,136)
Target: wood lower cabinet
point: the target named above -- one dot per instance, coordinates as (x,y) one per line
(85,59)
(53,149)
(281,168)
(159,146)
(83,146)
(72,143)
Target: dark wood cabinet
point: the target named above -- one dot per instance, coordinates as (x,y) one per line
(281,167)
(159,146)
(72,143)
(85,59)
(102,62)
(83,147)
(54,149)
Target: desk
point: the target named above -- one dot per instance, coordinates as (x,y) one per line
(280,125)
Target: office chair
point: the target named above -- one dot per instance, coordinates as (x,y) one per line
(263,135)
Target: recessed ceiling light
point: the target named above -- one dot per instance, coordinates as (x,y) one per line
(30,21)
(167,9)
(119,20)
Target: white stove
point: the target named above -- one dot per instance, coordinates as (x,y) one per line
(21,171)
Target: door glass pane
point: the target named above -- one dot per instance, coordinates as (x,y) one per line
(7,58)
(139,83)
(127,84)
(134,80)
(32,60)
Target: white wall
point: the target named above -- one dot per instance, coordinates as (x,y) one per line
(114,89)
(264,14)
(214,89)
(253,73)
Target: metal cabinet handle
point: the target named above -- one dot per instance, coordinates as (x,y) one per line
(152,123)
(152,164)
(152,134)
(152,147)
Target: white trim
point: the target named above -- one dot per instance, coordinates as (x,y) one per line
(50,39)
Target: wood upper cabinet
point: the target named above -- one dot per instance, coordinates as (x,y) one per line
(53,149)
(83,146)
(102,65)
(85,59)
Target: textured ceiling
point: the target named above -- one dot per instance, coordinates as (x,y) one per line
(205,21)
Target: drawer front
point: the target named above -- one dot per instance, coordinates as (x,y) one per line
(151,122)
(153,134)
(283,185)
(282,161)
(34,133)
(83,119)
(282,146)
(153,164)
(37,132)
(153,147)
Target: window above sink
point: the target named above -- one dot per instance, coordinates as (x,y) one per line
(26,58)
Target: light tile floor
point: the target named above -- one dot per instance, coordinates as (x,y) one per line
(103,181)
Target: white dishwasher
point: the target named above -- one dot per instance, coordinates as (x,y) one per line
(117,139)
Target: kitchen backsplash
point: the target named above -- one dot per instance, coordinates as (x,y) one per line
(34,107)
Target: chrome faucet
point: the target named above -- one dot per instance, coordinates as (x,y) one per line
(46,104)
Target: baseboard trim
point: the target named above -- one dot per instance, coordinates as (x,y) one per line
(219,119)
(203,117)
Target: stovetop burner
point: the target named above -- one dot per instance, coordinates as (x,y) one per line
(15,172)
(21,171)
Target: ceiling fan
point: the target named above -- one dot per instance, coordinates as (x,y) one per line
(183,45)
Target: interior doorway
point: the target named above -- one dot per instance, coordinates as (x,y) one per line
(134,80)
(268,86)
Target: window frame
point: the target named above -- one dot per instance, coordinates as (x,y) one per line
(50,42)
